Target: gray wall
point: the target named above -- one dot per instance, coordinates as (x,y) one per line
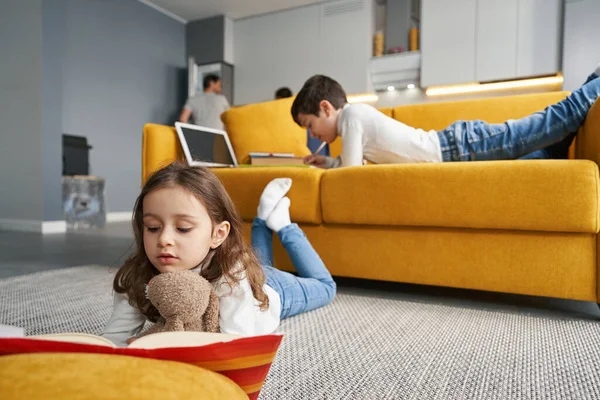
(581,45)
(53,30)
(205,40)
(21,110)
(124,66)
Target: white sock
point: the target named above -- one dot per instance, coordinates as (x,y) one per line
(280,217)
(273,192)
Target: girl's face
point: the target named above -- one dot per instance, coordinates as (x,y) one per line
(178,232)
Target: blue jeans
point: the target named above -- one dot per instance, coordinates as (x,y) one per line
(540,133)
(312,288)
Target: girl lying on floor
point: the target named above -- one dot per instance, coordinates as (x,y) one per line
(185,220)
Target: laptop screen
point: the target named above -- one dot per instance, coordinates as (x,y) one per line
(207,146)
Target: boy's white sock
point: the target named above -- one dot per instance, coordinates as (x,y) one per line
(273,192)
(280,217)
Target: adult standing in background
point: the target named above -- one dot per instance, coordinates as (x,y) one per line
(312,143)
(206,108)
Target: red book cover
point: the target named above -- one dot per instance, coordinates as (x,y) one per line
(246,361)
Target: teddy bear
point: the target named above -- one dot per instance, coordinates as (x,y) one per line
(186,302)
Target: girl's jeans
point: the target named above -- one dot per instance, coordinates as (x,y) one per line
(312,288)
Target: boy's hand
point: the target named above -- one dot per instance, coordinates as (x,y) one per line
(317,161)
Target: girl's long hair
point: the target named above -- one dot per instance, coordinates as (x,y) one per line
(232,259)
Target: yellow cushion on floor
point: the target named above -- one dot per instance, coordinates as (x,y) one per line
(61,376)
(548,195)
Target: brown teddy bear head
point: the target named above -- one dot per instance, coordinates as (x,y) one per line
(182,294)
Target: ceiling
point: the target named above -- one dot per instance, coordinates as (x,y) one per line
(191,10)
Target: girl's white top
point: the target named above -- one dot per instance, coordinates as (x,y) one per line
(239,312)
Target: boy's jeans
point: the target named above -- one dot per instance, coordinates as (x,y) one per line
(478,140)
(313,288)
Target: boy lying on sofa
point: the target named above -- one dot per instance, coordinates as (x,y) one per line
(322,108)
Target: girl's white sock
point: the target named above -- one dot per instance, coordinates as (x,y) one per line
(280,217)
(273,192)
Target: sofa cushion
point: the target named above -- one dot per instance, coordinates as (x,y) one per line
(438,116)
(245,185)
(265,127)
(549,195)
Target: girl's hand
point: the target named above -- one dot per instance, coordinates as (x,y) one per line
(316,161)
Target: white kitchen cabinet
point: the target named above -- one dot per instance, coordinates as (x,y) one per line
(447,41)
(539,37)
(295,38)
(345,43)
(288,47)
(496,40)
(253,55)
(463,41)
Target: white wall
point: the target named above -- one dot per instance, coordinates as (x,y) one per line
(581,45)
(228,41)
(286,48)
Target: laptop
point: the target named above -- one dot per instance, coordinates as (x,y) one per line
(205,147)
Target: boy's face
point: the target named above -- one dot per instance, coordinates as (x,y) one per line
(324,126)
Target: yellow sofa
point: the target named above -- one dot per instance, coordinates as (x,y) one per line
(525,227)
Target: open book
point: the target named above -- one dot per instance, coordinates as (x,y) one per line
(245,360)
(154,341)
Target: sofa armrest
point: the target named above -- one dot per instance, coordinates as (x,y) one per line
(160,147)
(588,138)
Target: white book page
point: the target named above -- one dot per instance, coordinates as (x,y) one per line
(180,339)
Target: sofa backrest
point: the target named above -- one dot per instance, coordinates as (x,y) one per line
(269,126)
(264,127)
(439,115)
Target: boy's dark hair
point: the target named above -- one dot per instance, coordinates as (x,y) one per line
(283,92)
(316,89)
(208,79)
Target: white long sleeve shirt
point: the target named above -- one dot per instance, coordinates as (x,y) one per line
(369,134)
(239,313)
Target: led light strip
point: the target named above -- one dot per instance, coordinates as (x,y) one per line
(486,87)
(362,98)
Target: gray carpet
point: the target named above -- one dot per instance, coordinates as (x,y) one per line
(363,347)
